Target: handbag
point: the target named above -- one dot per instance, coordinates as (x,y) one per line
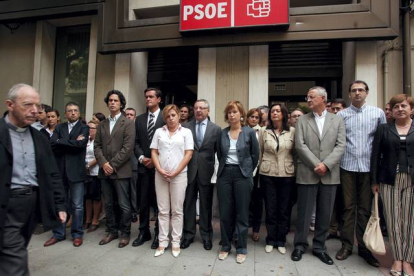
(373,237)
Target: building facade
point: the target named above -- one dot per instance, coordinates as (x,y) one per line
(78,50)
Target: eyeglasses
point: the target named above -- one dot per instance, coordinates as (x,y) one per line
(310,98)
(358,90)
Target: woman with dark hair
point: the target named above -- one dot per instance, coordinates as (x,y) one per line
(277,174)
(238,154)
(186,114)
(53,119)
(254,119)
(98,116)
(392,175)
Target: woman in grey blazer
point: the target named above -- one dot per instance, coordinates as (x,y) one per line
(238,155)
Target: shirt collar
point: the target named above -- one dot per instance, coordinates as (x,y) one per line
(204,122)
(322,115)
(165,128)
(13,127)
(356,109)
(115,118)
(155,113)
(73,124)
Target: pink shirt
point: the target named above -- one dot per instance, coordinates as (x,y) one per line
(171,148)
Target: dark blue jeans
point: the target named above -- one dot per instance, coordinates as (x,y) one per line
(75,190)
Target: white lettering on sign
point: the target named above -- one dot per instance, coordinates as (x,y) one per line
(210,11)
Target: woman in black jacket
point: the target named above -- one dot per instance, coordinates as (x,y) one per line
(392,175)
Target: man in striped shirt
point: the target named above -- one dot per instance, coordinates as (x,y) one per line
(361,121)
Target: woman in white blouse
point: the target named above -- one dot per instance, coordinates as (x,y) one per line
(53,119)
(171,150)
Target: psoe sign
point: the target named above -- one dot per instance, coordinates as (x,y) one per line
(221,14)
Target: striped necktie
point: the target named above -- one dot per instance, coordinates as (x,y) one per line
(199,134)
(151,127)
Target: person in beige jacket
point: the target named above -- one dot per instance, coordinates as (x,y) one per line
(276,171)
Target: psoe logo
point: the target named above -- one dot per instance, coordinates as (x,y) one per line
(259,8)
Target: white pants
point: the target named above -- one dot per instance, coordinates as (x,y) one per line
(170,197)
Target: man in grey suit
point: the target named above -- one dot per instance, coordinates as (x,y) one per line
(320,143)
(200,171)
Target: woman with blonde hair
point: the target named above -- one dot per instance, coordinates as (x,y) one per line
(171,150)
(238,155)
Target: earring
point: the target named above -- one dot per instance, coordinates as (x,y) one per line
(241,119)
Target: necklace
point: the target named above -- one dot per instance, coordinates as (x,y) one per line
(403,126)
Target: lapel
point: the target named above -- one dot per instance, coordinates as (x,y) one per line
(312,124)
(192,125)
(74,131)
(5,139)
(38,155)
(119,123)
(328,122)
(105,127)
(411,128)
(240,139)
(226,141)
(393,129)
(65,130)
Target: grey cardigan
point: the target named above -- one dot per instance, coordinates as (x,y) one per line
(247,150)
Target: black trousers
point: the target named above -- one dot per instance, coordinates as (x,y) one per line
(148,199)
(206,210)
(18,228)
(120,189)
(234,190)
(277,192)
(256,205)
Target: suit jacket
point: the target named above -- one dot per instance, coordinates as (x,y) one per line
(142,141)
(51,195)
(385,154)
(116,147)
(204,156)
(313,149)
(69,152)
(247,150)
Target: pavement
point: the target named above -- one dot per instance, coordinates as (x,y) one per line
(64,259)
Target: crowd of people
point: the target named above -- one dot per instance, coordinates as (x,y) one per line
(328,161)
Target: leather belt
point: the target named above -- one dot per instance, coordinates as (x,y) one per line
(23,191)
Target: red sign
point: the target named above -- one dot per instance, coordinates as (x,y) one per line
(219,14)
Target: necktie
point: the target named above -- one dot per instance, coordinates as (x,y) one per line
(151,127)
(200,135)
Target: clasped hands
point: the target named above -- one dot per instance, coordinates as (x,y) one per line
(320,169)
(167,175)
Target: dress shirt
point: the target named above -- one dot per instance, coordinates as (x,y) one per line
(320,121)
(360,124)
(24,159)
(90,156)
(203,126)
(49,131)
(171,148)
(37,125)
(72,125)
(156,113)
(112,121)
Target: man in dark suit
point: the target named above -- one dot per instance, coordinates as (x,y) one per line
(145,126)
(31,188)
(114,144)
(70,151)
(320,144)
(200,171)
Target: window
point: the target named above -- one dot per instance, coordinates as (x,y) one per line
(71,67)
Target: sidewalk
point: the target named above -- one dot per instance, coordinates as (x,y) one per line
(92,259)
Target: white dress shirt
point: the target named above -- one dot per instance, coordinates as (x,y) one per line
(112,121)
(320,121)
(156,113)
(171,149)
(72,125)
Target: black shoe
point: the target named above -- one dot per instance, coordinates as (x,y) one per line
(323,257)
(186,243)
(370,259)
(207,244)
(332,236)
(134,217)
(142,237)
(296,255)
(155,243)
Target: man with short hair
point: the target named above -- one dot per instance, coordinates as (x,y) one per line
(320,144)
(130,113)
(361,122)
(41,121)
(337,105)
(114,144)
(70,152)
(31,188)
(200,171)
(145,126)
(294,116)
